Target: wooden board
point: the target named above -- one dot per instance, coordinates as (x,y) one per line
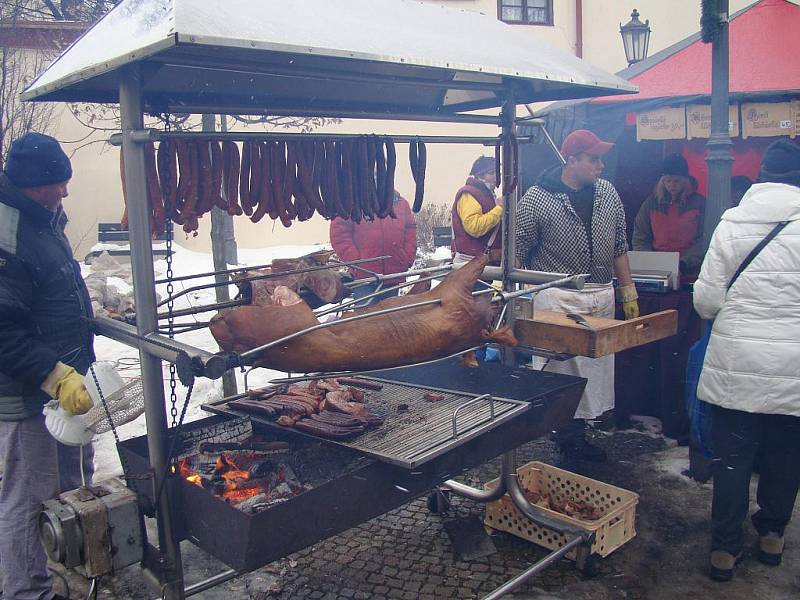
(554,331)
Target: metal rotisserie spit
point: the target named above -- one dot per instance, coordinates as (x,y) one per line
(251,491)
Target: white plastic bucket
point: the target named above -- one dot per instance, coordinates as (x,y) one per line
(72,430)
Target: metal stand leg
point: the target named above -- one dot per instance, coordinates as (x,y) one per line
(509,483)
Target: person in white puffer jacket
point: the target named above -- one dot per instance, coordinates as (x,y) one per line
(751,373)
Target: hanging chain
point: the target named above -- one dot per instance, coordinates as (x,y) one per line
(168,234)
(125,468)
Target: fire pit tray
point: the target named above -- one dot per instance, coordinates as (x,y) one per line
(353,488)
(414,430)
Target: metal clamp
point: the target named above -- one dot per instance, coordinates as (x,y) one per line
(466,404)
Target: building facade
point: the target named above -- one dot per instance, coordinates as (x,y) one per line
(586,28)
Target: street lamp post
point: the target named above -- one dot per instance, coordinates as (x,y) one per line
(635,38)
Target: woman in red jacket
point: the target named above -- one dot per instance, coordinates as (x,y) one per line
(395,238)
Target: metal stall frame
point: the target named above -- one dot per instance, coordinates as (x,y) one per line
(168,569)
(172,50)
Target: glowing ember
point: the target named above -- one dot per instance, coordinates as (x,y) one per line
(195,479)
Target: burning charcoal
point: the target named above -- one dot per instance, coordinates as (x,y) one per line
(252,503)
(261,468)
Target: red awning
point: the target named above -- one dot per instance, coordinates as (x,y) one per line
(764,46)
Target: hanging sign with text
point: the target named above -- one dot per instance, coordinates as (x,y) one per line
(698,121)
(769,119)
(661,124)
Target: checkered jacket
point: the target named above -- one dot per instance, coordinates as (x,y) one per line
(551,237)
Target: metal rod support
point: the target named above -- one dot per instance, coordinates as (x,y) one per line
(130,105)
(535,277)
(156,135)
(538,567)
(161,347)
(205,286)
(207,584)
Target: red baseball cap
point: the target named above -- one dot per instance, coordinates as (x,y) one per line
(583,140)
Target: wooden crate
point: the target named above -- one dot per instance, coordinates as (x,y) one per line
(554,331)
(618,506)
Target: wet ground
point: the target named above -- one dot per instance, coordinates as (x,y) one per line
(407,554)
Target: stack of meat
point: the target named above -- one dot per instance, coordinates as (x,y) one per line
(576,509)
(315,287)
(323,408)
(351,178)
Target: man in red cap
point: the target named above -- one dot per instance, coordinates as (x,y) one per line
(573,222)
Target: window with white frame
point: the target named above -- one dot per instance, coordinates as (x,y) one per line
(529,12)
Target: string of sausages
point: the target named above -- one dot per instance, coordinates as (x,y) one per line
(287,180)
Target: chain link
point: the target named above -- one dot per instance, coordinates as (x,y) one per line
(125,468)
(168,234)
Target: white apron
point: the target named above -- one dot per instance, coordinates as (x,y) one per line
(595,300)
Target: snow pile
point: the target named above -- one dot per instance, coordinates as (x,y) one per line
(114,282)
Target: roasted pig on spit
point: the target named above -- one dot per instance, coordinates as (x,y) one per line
(460,321)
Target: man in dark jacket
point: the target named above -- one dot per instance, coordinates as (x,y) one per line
(46,346)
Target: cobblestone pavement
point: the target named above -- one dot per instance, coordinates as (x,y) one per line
(407,555)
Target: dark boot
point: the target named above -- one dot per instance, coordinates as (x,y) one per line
(572,442)
(722,564)
(770,549)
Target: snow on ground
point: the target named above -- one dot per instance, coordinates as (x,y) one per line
(185,262)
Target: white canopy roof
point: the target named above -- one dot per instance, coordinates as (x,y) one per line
(382,56)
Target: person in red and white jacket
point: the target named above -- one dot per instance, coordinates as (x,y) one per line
(395,238)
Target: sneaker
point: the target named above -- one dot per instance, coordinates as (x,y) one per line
(722,564)
(770,549)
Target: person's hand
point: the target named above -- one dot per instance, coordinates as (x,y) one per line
(65,384)
(628,296)
(499,201)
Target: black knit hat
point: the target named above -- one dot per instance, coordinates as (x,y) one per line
(781,163)
(675,164)
(36,160)
(482,165)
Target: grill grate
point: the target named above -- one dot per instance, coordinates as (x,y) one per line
(424,431)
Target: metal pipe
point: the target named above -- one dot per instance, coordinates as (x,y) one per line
(186,105)
(207,584)
(538,567)
(478,495)
(309,377)
(349,303)
(296,334)
(509,173)
(267,266)
(205,286)
(155,135)
(534,277)
(719,144)
(410,272)
(130,105)
(160,346)
(504,297)
(196,310)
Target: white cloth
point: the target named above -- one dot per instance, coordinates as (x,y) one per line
(595,300)
(753,358)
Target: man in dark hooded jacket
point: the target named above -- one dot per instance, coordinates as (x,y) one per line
(46,347)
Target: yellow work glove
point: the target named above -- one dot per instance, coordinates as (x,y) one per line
(65,384)
(628,297)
